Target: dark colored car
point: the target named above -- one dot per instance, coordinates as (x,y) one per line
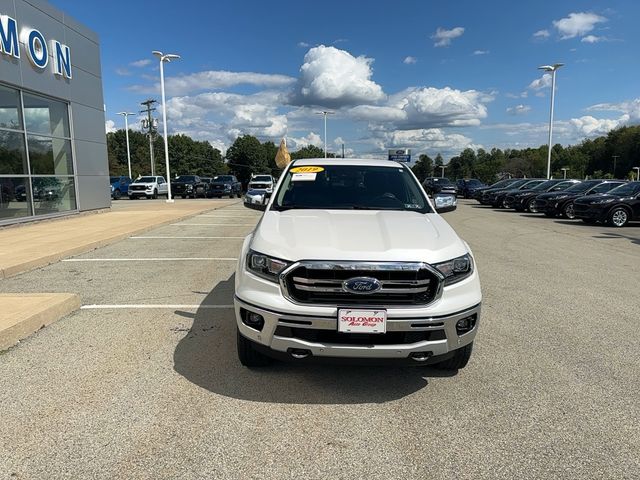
(522,200)
(468,186)
(21,193)
(561,203)
(119,186)
(226,185)
(187,186)
(618,207)
(206,181)
(497,198)
(433,185)
(495,186)
(488,196)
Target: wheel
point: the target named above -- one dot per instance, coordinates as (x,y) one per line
(531,206)
(589,221)
(117,194)
(155,193)
(248,355)
(131,197)
(459,360)
(568,212)
(231,195)
(618,217)
(183,196)
(239,194)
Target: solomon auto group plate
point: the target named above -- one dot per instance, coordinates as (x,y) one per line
(362,321)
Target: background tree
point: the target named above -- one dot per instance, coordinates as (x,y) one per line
(423,167)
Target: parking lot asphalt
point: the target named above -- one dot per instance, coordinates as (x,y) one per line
(143,382)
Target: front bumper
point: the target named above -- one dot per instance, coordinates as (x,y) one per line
(443,328)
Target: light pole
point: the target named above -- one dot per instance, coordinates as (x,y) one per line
(553,69)
(126,132)
(564,171)
(442,173)
(615,159)
(637,169)
(165,58)
(324,113)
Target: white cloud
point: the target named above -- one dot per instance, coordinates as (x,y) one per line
(123,72)
(141,63)
(577,24)
(215,80)
(443,37)
(481,52)
(541,34)
(334,78)
(630,109)
(110,126)
(519,109)
(311,139)
(410,60)
(589,126)
(539,83)
(303,45)
(592,39)
(431,139)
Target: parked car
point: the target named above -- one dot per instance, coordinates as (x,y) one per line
(499,197)
(488,195)
(188,186)
(21,193)
(261,182)
(561,203)
(206,181)
(119,186)
(477,195)
(226,185)
(617,207)
(322,277)
(522,200)
(255,196)
(468,186)
(148,187)
(433,185)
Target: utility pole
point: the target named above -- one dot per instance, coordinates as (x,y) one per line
(442,167)
(343,150)
(564,171)
(324,113)
(150,124)
(615,158)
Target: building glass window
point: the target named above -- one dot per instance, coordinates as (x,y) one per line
(36,162)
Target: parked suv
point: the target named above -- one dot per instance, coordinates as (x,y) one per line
(188,186)
(223,185)
(561,203)
(523,200)
(261,182)
(498,198)
(467,187)
(119,186)
(618,207)
(351,259)
(433,185)
(148,187)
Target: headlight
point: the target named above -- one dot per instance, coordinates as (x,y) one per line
(603,200)
(456,270)
(112,188)
(189,187)
(227,187)
(265,266)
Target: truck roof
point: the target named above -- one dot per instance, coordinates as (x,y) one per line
(346,161)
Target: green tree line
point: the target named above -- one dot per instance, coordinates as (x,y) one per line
(610,156)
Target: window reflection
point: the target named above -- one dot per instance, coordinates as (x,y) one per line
(50,156)
(53,194)
(13,159)
(45,116)
(14,195)
(9,109)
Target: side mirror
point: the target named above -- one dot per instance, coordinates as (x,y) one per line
(445,203)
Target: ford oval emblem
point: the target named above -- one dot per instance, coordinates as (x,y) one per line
(361,285)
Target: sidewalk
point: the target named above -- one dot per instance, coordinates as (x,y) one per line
(30,246)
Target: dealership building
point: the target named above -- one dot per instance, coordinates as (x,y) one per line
(53,153)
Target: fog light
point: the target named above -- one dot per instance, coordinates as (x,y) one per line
(252,319)
(465,325)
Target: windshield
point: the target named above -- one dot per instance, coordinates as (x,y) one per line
(544,186)
(222,178)
(626,190)
(473,182)
(517,184)
(503,183)
(146,180)
(261,178)
(562,186)
(186,178)
(349,187)
(114,179)
(531,184)
(581,187)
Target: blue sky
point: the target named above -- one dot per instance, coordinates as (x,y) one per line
(431,76)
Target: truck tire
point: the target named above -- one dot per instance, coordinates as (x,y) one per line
(459,360)
(117,194)
(155,193)
(248,355)
(239,194)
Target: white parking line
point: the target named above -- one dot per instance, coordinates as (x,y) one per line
(178,259)
(155,306)
(189,238)
(214,224)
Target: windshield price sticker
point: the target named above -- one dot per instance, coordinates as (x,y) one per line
(303,177)
(309,169)
(362,321)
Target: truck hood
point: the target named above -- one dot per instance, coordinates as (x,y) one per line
(356,235)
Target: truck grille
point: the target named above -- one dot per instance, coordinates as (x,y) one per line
(317,282)
(137,187)
(259,185)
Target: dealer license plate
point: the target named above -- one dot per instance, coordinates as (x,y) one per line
(362,321)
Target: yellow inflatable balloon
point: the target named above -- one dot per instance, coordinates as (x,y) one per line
(282,157)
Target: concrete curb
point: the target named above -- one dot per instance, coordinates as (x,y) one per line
(45,260)
(24,314)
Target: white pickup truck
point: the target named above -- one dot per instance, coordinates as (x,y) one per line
(351,259)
